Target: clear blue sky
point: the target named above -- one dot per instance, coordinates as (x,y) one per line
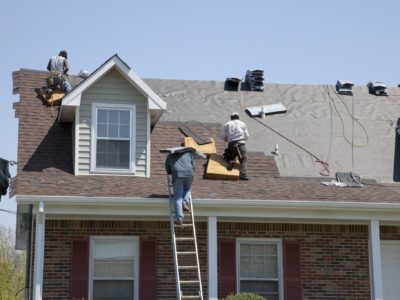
(309,41)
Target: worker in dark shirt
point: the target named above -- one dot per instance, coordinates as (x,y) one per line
(181,167)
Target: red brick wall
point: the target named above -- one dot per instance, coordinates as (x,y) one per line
(334,257)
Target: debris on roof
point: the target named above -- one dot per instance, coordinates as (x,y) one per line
(263,110)
(187,131)
(377,88)
(255,80)
(344,87)
(345,179)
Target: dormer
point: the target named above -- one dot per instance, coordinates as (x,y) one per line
(112,111)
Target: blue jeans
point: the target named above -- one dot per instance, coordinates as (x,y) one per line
(182,187)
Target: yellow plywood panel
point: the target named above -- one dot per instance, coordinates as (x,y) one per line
(216,169)
(53,99)
(207,149)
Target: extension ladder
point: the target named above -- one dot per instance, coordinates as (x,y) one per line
(185,252)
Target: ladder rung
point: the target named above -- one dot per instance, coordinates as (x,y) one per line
(184,239)
(189,281)
(190,297)
(187,267)
(184,225)
(187,253)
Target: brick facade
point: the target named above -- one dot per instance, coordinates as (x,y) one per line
(334,257)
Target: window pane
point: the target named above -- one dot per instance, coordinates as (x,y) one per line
(245,249)
(113,289)
(113,154)
(113,269)
(124,117)
(112,130)
(124,131)
(102,116)
(258,249)
(102,130)
(113,116)
(117,250)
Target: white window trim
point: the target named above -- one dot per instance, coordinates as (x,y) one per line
(136,261)
(93,139)
(277,242)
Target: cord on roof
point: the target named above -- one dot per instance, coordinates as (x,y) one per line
(324,172)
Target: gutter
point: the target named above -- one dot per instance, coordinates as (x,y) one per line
(305,204)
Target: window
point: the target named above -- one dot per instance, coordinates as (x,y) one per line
(113,138)
(114,268)
(259,267)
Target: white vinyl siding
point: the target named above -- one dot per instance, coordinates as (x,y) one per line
(114,268)
(113,89)
(259,265)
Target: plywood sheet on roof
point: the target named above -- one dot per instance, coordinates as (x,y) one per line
(207,149)
(217,169)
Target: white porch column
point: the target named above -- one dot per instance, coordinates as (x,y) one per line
(375,260)
(212,259)
(39,253)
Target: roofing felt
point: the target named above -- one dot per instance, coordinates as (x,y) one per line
(45,164)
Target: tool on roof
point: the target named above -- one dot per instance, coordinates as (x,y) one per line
(185,252)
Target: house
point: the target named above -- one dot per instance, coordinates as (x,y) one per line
(92,177)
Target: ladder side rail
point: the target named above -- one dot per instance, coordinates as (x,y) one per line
(173,238)
(196,248)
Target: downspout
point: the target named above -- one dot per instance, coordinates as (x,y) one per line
(27,293)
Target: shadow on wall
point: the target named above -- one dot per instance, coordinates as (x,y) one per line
(396,163)
(55,150)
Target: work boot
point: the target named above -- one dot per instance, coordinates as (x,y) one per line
(230,166)
(185,207)
(243,177)
(179,222)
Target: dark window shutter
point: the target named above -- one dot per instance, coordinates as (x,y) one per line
(148,270)
(79,269)
(227,267)
(292,261)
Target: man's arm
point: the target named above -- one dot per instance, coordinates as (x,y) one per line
(66,66)
(224,134)
(167,166)
(49,65)
(246,132)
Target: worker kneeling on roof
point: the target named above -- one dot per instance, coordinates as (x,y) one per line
(59,67)
(235,133)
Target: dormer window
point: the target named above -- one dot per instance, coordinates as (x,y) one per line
(113,138)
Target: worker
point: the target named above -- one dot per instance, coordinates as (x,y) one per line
(59,67)
(181,167)
(235,133)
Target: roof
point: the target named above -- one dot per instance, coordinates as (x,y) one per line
(73,99)
(45,164)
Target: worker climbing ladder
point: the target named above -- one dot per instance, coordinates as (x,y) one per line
(185,252)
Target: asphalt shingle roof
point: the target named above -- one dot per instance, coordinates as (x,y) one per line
(45,163)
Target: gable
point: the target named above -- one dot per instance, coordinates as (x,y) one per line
(111,91)
(73,99)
